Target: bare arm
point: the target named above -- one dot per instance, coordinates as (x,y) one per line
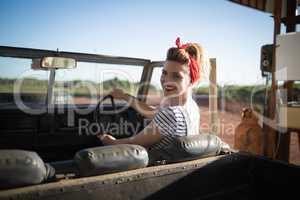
(141,107)
(147,137)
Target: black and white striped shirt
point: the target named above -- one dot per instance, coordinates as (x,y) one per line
(175,121)
(171,121)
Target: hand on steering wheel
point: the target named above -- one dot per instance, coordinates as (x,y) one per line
(118,94)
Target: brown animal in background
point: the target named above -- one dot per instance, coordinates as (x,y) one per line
(248,134)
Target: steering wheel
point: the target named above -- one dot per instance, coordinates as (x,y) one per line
(134,117)
(97,112)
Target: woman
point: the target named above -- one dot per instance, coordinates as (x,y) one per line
(178,114)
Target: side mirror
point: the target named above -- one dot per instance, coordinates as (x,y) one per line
(53,63)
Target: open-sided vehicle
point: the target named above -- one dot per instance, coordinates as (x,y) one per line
(63,159)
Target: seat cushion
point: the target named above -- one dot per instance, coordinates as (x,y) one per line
(20,168)
(108,159)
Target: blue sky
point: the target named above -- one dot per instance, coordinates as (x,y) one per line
(139,28)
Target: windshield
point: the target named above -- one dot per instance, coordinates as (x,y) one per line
(85,84)
(18,80)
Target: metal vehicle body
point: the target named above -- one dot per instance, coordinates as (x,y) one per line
(56,139)
(238,176)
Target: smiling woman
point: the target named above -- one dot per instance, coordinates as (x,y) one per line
(178,114)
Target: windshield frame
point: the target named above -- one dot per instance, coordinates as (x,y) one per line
(30,53)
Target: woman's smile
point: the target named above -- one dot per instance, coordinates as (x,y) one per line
(169,88)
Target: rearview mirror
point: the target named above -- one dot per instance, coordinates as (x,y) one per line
(58,63)
(53,63)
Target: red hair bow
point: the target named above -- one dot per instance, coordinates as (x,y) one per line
(194,67)
(181,46)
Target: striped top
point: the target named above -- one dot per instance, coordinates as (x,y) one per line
(175,121)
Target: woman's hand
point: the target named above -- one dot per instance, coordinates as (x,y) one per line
(118,94)
(147,137)
(141,107)
(106,139)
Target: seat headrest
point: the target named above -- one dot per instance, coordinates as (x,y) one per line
(21,168)
(192,147)
(108,159)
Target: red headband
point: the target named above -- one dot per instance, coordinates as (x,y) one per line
(194,67)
